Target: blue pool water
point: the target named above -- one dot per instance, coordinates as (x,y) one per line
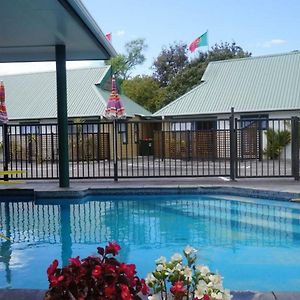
(253,243)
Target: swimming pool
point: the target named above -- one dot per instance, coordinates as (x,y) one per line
(253,243)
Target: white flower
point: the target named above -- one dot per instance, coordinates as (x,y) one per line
(189,250)
(201,285)
(201,289)
(187,272)
(150,278)
(161,260)
(215,279)
(217,296)
(178,267)
(159,268)
(176,257)
(154,297)
(204,270)
(227,295)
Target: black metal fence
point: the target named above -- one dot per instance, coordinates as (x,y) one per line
(235,148)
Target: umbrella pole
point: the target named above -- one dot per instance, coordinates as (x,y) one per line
(115,150)
(5,150)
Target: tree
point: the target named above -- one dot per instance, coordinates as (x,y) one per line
(169,63)
(123,64)
(145,91)
(226,51)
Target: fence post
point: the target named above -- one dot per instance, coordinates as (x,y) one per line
(295,147)
(233,156)
(115,146)
(5,150)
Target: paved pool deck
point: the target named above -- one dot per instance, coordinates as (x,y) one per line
(7,294)
(274,184)
(51,188)
(280,186)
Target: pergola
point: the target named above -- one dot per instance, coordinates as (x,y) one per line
(52,30)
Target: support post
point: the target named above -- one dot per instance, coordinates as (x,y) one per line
(233,155)
(62,115)
(5,139)
(115,142)
(295,147)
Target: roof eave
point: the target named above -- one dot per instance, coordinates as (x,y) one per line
(78,10)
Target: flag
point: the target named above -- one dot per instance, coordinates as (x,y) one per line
(108,36)
(199,42)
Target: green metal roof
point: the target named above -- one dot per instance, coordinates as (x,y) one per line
(265,83)
(33,96)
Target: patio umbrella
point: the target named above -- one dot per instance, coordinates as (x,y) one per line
(3,112)
(114,110)
(3,121)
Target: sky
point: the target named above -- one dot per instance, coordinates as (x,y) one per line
(261,27)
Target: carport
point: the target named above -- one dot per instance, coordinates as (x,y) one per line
(52,30)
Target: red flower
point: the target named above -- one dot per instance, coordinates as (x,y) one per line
(178,288)
(128,269)
(125,292)
(206,297)
(97,272)
(145,289)
(112,248)
(110,292)
(110,270)
(52,268)
(75,261)
(98,277)
(100,250)
(55,280)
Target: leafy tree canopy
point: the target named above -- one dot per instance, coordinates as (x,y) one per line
(145,91)
(226,51)
(124,64)
(169,63)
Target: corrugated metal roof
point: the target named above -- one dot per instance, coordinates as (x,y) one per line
(33,96)
(264,83)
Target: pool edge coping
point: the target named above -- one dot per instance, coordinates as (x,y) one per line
(166,190)
(35,294)
(151,190)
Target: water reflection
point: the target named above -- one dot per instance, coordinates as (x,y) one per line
(5,247)
(174,220)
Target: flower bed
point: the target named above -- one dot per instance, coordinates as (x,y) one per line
(103,277)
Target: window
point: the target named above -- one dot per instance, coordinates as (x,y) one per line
(122,129)
(261,121)
(136,133)
(206,125)
(29,129)
(181,126)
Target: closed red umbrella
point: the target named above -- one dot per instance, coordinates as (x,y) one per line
(114,108)
(3,112)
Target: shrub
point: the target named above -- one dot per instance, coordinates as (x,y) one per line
(100,277)
(276,141)
(175,280)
